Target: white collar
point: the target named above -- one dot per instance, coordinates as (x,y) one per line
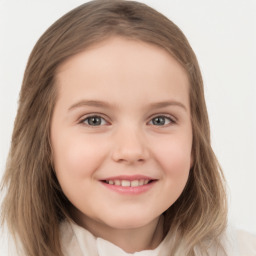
(77,239)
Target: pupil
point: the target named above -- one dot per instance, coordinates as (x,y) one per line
(94,121)
(159,120)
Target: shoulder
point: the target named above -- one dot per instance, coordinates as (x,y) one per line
(246,242)
(76,240)
(68,240)
(232,243)
(239,242)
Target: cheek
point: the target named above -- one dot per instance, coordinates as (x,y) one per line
(75,157)
(75,161)
(174,156)
(176,162)
(176,171)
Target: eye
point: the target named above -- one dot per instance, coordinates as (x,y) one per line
(161,121)
(94,121)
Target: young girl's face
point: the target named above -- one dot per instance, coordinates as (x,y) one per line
(121,133)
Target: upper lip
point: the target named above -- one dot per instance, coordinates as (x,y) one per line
(129,177)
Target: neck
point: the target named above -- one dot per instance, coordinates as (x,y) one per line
(132,240)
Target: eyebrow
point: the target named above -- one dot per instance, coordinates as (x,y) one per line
(168,103)
(93,103)
(103,104)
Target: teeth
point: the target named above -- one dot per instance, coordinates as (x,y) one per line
(141,182)
(117,182)
(127,183)
(135,183)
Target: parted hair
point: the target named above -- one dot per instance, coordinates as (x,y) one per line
(34,204)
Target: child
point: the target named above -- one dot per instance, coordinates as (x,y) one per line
(111,146)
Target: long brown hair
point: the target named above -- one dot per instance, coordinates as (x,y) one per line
(34,204)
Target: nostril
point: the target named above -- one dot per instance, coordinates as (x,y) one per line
(130,150)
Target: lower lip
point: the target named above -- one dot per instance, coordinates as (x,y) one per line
(130,190)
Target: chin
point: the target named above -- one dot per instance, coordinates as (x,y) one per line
(129,222)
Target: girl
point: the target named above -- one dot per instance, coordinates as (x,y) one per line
(111,150)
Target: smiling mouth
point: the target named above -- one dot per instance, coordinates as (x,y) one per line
(129,183)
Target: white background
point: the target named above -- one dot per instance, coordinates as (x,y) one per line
(223,36)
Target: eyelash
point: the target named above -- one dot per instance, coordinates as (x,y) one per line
(83,121)
(165,117)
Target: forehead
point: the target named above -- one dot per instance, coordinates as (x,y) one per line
(122,65)
(118,46)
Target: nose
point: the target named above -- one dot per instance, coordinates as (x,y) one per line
(130,146)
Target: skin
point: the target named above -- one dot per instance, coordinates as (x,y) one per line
(131,80)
